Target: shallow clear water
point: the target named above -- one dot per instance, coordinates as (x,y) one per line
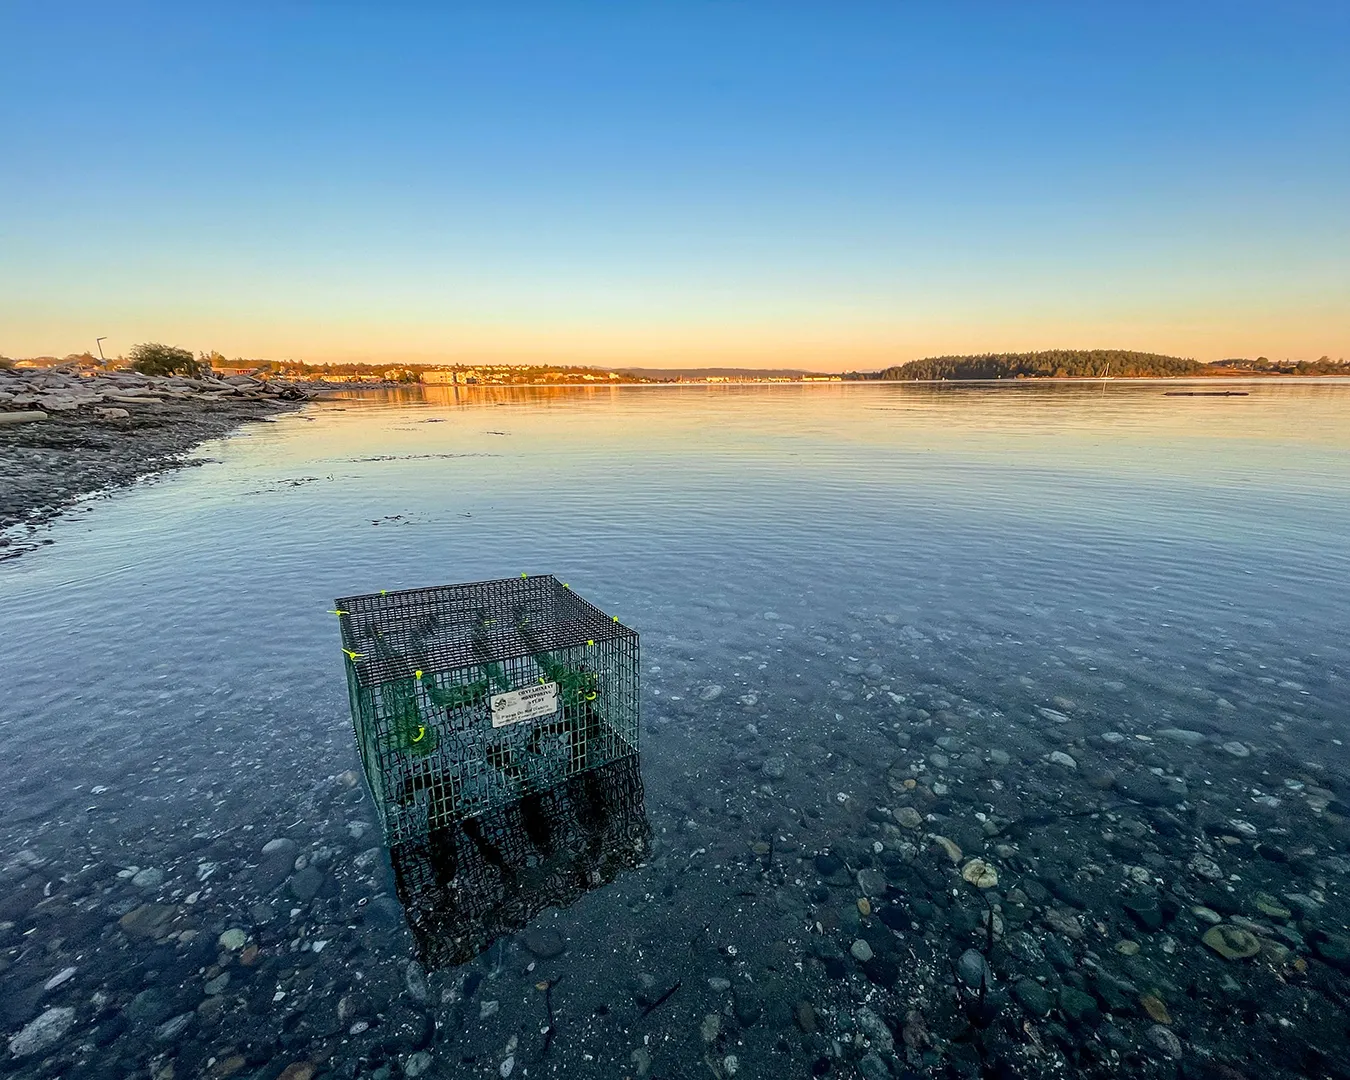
(861,570)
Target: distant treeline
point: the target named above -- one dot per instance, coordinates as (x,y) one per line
(1055,363)
(1092,364)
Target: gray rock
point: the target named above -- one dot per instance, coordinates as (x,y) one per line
(24,416)
(233,939)
(306,883)
(42,1033)
(774,768)
(862,952)
(544,943)
(872,883)
(171,1029)
(1033,997)
(1237,749)
(718,984)
(150,1006)
(418,1063)
(1185,736)
(1059,757)
(874,1029)
(274,867)
(1334,949)
(149,878)
(1145,911)
(282,847)
(1143,787)
(60,978)
(1118,995)
(1164,1040)
(973,970)
(1079,1007)
(871,1067)
(909,818)
(415,979)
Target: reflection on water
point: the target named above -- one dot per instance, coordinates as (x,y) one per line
(470,883)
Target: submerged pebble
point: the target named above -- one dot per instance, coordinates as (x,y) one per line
(42,1033)
(1232,942)
(980,874)
(233,939)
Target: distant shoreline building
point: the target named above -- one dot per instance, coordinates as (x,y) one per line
(446,377)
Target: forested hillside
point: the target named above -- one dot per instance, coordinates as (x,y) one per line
(1061,363)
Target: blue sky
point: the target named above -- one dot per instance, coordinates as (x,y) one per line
(819,185)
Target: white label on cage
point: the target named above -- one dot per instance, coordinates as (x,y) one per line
(528,704)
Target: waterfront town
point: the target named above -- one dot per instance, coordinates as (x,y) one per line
(432,374)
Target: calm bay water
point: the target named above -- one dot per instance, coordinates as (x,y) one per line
(829,580)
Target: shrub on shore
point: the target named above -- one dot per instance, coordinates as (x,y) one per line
(152,358)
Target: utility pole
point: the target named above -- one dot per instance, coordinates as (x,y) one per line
(99,342)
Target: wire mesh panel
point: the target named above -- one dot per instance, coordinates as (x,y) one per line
(465,698)
(465,885)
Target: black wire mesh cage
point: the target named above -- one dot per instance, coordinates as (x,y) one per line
(467,697)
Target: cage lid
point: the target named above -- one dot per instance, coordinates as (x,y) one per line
(391,635)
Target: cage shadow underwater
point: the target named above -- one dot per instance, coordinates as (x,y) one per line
(466,698)
(465,885)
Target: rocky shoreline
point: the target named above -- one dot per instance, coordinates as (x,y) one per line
(64,435)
